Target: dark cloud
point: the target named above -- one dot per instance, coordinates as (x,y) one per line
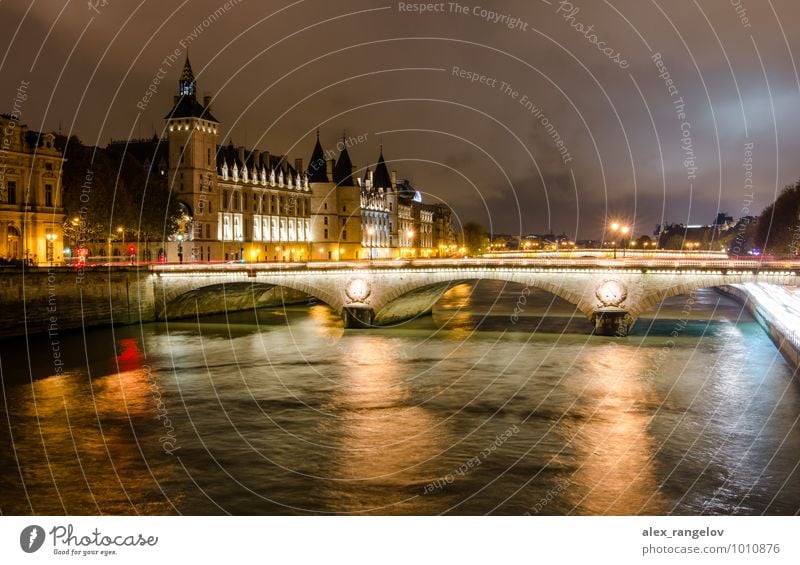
(279,70)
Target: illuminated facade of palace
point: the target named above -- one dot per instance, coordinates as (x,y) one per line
(247,204)
(31,212)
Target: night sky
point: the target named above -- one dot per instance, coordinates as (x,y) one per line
(634,145)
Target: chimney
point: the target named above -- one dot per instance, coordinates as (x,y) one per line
(207,101)
(241,154)
(394,178)
(298,165)
(267,164)
(329,170)
(256,164)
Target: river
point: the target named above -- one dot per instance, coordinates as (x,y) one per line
(465,412)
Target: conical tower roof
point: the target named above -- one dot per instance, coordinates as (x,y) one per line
(381,178)
(317,167)
(343,171)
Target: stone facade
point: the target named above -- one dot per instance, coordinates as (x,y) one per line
(247,204)
(60,299)
(31,211)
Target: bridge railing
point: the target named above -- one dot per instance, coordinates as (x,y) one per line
(576,262)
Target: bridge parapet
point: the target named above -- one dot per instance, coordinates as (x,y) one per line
(385,293)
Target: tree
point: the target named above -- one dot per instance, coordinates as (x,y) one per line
(674,242)
(474,237)
(155,214)
(777,231)
(105,190)
(91,199)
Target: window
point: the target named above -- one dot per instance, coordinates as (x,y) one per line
(224,199)
(344,233)
(344,208)
(12,192)
(208,229)
(209,206)
(48,166)
(326,234)
(326,220)
(48,195)
(325,206)
(237,227)
(208,160)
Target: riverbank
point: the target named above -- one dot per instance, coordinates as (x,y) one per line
(777,310)
(54,300)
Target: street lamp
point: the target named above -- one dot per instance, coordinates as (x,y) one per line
(623,230)
(180,248)
(51,239)
(121,231)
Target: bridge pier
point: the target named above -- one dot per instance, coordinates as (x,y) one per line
(356,317)
(612,322)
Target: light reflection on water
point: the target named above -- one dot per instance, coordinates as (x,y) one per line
(288,413)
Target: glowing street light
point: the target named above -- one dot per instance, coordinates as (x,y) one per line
(51,239)
(624,230)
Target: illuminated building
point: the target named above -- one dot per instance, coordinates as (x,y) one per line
(31,212)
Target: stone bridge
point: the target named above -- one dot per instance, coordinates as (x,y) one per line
(610,292)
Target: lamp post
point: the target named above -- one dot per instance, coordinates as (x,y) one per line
(615,229)
(49,251)
(121,231)
(623,230)
(180,248)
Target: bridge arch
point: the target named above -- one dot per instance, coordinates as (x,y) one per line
(417,296)
(688,285)
(181,297)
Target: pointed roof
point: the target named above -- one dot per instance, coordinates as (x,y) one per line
(381,178)
(187,75)
(317,166)
(186,104)
(343,170)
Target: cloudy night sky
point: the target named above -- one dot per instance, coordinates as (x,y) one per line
(280,70)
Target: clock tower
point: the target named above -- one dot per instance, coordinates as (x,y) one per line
(192,136)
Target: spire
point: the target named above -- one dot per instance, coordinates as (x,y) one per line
(343,171)
(186,104)
(381,178)
(187,85)
(318,166)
